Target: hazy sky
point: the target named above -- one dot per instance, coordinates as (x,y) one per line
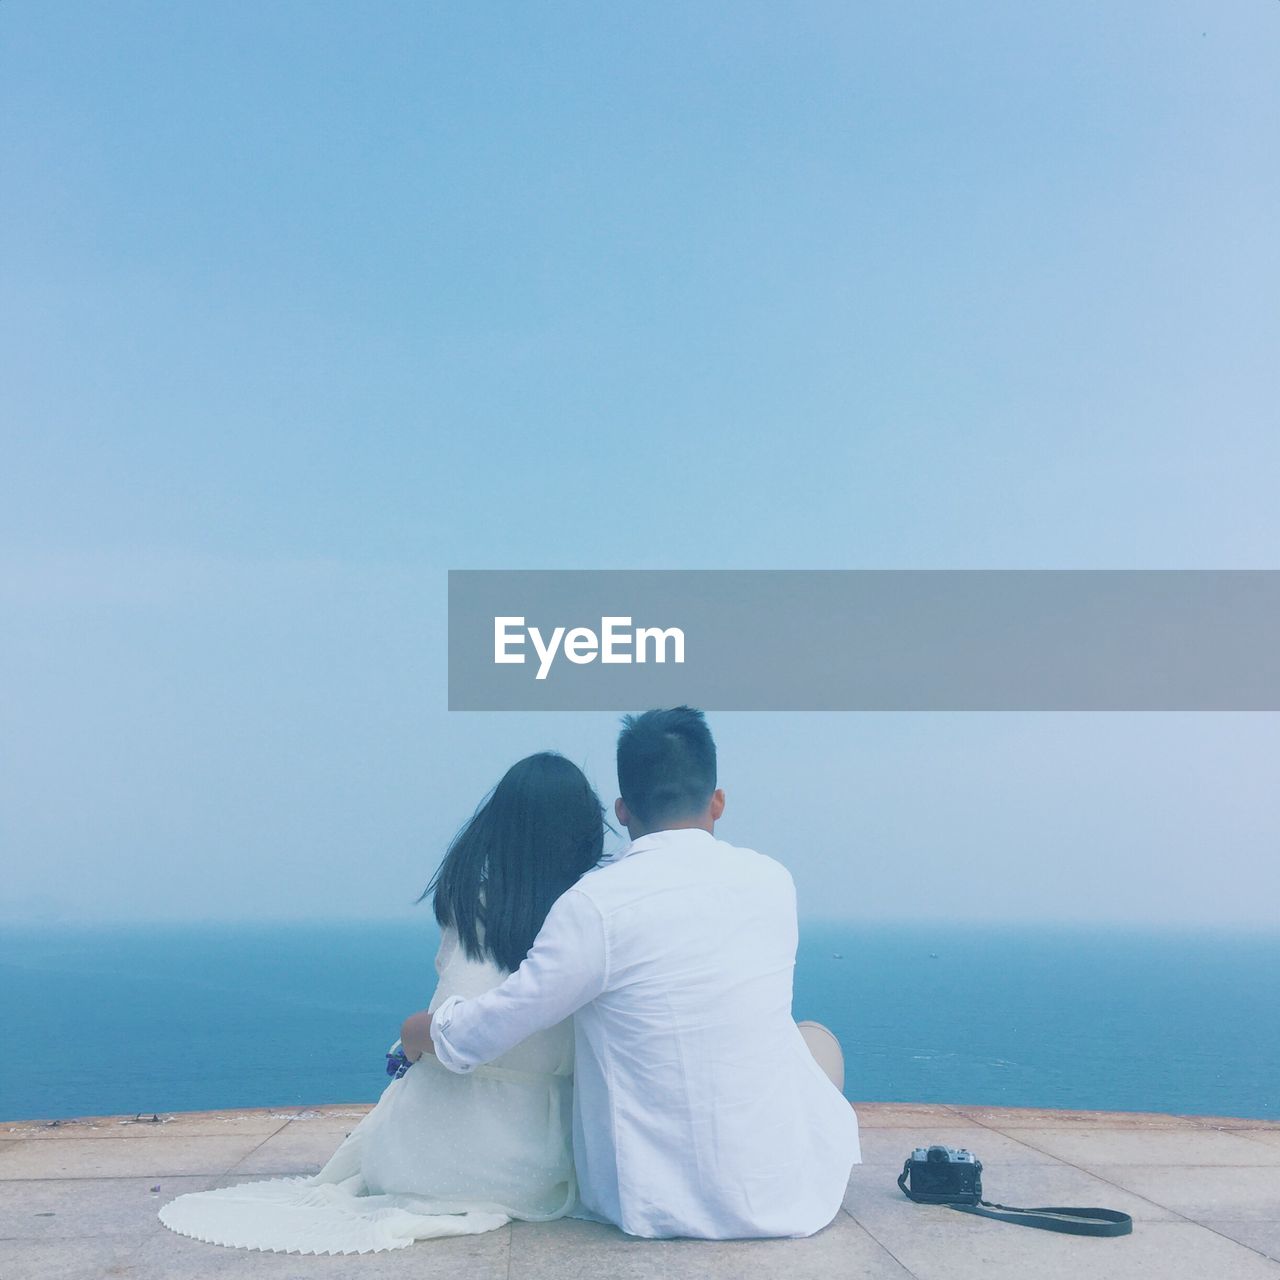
(304,304)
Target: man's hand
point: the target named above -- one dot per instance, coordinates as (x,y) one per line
(415,1036)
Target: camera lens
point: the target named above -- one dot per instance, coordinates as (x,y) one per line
(937,1154)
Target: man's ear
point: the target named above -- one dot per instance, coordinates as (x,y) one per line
(717,804)
(621,812)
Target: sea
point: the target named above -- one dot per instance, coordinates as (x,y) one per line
(146,1019)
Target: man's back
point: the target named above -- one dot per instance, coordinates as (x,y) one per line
(699,1111)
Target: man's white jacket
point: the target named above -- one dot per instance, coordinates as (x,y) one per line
(698,1109)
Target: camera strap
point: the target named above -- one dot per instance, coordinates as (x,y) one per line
(1072,1222)
(1069,1221)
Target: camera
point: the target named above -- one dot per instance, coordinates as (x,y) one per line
(953,1176)
(943,1175)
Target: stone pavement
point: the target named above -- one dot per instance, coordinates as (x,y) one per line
(78,1201)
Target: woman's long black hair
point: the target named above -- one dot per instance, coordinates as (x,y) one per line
(539,829)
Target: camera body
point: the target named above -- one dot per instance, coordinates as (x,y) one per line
(944,1175)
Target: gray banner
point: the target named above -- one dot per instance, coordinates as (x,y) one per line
(865,640)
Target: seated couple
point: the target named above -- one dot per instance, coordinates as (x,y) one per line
(609,1038)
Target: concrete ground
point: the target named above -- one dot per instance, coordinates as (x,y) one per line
(78,1201)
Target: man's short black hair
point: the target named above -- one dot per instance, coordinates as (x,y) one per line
(666,765)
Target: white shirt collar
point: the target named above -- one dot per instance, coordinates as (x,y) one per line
(661,840)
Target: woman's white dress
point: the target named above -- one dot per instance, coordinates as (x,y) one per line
(441,1154)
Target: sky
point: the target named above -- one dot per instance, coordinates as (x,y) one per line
(305,304)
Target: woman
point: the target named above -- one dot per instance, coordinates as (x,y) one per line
(446,1154)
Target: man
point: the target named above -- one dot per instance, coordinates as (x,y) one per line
(698,1108)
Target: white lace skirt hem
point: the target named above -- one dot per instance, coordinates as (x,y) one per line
(302,1215)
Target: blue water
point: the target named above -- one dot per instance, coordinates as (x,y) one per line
(120,1020)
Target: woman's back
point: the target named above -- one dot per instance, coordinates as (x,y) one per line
(549,1052)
